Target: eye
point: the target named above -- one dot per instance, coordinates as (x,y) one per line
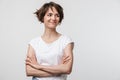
(50,14)
(57,15)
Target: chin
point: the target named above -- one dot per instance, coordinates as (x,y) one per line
(53,26)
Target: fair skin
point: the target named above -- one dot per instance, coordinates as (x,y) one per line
(33,68)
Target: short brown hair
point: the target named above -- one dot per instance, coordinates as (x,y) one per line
(40,13)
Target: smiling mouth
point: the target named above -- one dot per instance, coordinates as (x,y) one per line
(53,22)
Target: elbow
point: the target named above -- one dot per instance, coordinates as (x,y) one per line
(68,71)
(27,75)
(28,72)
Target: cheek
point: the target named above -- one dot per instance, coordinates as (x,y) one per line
(45,19)
(58,19)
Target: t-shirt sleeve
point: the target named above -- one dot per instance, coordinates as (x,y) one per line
(32,43)
(67,41)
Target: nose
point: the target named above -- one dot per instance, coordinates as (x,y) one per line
(53,17)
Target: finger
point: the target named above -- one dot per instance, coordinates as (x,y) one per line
(66,58)
(28,63)
(28,56)
(66,61)
(32,59)
(28,60)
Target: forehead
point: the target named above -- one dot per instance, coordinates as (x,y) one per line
(52,10)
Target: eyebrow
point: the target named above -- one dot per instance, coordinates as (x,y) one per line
(52,13)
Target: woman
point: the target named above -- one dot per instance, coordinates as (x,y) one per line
(50,56)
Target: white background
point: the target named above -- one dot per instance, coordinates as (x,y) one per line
(94,25)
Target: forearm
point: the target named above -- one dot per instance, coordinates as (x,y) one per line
(64,68)
(58,69)
(30,71)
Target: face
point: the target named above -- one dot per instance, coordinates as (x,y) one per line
(51,18)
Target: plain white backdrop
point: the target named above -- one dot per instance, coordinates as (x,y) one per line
(94,25)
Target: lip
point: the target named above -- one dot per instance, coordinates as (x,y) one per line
(53,22)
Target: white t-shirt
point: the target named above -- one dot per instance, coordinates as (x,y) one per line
(50,54)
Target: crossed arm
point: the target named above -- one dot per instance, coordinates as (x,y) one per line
(31,71)
(35,69)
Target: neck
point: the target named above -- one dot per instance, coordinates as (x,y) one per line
(50,33)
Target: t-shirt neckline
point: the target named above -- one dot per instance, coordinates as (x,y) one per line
(52,41)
